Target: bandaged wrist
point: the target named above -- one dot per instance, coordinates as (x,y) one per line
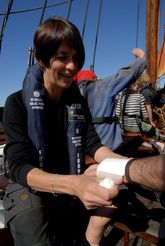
(111,169)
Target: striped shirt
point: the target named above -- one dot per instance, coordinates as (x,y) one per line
(135,107)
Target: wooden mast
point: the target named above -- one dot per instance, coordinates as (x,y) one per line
(161,58)
(152,16)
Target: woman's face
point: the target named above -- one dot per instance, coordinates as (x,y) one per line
(63,67)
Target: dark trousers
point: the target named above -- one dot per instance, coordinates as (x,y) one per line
(40,219)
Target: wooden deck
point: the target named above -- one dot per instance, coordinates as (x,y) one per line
(139,222)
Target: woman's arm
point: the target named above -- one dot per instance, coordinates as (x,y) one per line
(104,152)
(86,187)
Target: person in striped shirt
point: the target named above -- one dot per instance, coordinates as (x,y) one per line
(132,113)
(131,106)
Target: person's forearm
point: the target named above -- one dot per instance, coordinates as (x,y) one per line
(149,171)
(103,153)
(94,236)
(150,113)
(97,226)
(48,182)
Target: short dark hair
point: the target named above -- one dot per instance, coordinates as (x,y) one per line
(50,35)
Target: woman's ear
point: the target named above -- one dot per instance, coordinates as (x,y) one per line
(41,64)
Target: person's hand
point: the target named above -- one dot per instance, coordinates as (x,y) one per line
(137,52)
(88,189)
(91,170)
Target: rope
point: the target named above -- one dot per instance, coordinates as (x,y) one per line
(69,10)
(96,39)
(31,50)
(43,11)
(85,18)
(5,21)
(34,9)
(137,28)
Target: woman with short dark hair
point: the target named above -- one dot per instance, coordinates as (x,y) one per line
(48,128)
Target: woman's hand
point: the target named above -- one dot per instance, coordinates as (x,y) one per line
(87,187)
(92,194)
(91,170)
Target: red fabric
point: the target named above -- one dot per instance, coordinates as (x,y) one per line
(84,75)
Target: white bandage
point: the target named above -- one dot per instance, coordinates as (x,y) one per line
(111,169)
(107,183)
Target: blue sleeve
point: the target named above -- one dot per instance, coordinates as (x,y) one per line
(126,75)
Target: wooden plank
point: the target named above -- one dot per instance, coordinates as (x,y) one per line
(143,215)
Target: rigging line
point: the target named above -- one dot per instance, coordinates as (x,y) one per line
(85,18)
(10,3)
(69,9)
(43,11)
(34,9)
(137,27)
(31,50)
(96,39)
(30,56)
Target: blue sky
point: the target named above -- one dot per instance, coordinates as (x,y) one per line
(117,35)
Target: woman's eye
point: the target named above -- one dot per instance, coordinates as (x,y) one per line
(65,58)
(62,58)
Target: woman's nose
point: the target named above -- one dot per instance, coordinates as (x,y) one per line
(71,65)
